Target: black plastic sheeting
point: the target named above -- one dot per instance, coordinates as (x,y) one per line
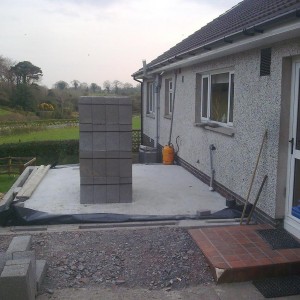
(20,216)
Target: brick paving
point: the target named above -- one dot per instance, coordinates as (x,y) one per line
(238,253)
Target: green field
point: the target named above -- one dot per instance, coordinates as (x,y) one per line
(6,182)
(53,134)
(65,133)
(4,112)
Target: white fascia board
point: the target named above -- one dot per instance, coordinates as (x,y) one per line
(275,35)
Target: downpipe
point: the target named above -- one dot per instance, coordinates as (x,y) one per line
(212,148)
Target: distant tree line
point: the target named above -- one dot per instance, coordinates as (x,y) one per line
(20,89)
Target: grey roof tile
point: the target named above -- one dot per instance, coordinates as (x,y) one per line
(244,15)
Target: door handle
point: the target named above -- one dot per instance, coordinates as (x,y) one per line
(292,145)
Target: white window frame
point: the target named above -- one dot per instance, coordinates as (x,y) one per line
(208,119)
(170,96)
(150,98)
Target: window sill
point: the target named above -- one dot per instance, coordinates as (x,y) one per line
(168,117)
(151,115)
(229,131)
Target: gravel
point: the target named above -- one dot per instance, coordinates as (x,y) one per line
(156,258)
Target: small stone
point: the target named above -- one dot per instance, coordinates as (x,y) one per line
(119,282)
(80,267)
(168,289)
(49,291)
(190,252)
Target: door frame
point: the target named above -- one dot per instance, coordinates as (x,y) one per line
(291,223)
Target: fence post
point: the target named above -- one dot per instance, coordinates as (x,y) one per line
(9,166)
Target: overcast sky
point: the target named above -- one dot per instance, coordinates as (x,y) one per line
(98,40)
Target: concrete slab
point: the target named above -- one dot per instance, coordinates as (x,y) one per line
(19,243)
(157,190)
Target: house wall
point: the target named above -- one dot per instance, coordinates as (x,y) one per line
(258,103)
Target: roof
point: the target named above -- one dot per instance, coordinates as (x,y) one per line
(248,17)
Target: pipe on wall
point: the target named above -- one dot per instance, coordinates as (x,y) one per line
(142,110)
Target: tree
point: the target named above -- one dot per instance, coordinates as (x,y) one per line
(75,83)
(26,73)
(61,85)
(94,87)
(23,97)
(107,85)
(5,69)
(117,85)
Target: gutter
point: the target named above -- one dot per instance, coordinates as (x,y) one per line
(142,117)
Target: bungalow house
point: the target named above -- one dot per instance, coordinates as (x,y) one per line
(225,85)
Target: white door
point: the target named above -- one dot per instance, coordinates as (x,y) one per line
(292,217)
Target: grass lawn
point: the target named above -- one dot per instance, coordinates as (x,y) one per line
(136,122)
(53,134)
(4,112)
(6,182)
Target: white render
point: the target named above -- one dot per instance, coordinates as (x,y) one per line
(260,103)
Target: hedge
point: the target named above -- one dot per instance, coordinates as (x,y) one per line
(46,152)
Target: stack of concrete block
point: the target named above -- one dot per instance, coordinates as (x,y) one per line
(21,274)
(105,149)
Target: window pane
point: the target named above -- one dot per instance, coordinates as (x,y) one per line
(296,195)
(231,98)
(219,97)
(298,121)
(204,97)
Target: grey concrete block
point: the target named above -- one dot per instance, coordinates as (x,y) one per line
(112,141)
(25,255)
(125,193)
(98,127)
(19,243)
(99,154)
(113,193)
(86,154)
(85,127)
(125,167)
(99,114)
(86,141)
(113,180)
(113,154)
(99,167)
(98,100)
(100,180)
(113,168)
(125,114)
(85,113)
(112,128)
(125,101)
(125,128)
(17,280)
(125,141)
(86,194)
(99,141)
(125,154)
(86,167)
(100,195)
(85,100)
(4,257)
(125,180)
(112,100)
(40,273)
(86,180)
(112,114)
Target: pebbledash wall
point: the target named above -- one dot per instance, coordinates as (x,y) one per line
(260,103)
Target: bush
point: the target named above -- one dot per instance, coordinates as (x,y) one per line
(46,152)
